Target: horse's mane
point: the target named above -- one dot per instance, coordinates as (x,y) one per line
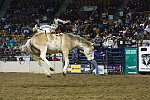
(76,37)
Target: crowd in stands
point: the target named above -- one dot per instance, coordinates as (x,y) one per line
(130,26)
(104,6)
(20,18)
(1,2)
(96,25)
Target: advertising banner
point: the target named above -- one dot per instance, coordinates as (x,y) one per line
(114,69)
(144,59)
(131,60)
(78,68)
(75,68)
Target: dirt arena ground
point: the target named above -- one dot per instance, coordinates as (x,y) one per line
(26,86)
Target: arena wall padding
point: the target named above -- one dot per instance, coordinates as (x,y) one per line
(29,66)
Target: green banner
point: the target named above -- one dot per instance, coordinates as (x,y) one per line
(131,60)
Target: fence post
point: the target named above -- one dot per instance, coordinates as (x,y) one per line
(106,65)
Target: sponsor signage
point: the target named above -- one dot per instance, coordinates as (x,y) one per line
(86,68)
(144,59)
(75,68)
(131,60)
(114,68)
(78,68)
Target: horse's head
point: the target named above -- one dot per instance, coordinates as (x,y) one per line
(89,52)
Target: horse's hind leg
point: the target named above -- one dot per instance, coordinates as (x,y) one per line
(37,59)
(47,73)
(43,56)
(40,63)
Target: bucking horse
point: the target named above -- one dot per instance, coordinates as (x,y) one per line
(38,46)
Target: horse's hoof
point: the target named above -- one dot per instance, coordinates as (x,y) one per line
(52,69)
(64,73)
(87,72)
(49,76)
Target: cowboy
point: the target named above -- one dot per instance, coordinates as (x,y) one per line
(50,28)
(94,63)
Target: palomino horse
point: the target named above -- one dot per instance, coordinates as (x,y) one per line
(38,47)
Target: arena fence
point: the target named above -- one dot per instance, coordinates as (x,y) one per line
(125,60)
(112,62)
(131,60)
(26,65)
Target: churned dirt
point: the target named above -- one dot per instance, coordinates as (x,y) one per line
(27,86)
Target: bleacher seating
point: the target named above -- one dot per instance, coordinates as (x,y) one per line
(23,13)
(108,6)
(1,2)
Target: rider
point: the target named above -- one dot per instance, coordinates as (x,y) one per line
(50,28)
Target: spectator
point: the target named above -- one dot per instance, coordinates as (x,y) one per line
(6,26)
(49,58)
(5,44)
(55,58)
(26,32)
(1,44)
(97,41)
(147,31)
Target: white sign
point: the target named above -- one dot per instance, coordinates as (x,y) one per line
(121,13)
(44,18)
(110,17)
(89,8)
(100,69)
(103,15)
(146,43)
(144,59)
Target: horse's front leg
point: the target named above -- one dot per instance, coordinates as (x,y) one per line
(65,55)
